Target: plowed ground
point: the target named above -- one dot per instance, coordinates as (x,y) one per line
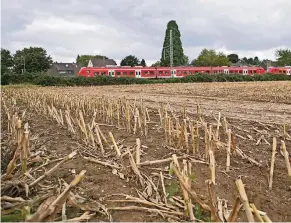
(252,110)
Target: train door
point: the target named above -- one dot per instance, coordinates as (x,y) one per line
(173,73)
(111,73)
(226,71)
(138,73)
(245,72)
(288,72)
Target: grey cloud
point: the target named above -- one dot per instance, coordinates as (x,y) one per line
(118,28)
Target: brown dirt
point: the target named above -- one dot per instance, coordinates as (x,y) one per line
(246,105)
(261,101)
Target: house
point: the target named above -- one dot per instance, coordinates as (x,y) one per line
(266,64)
(63,69)
(101,62)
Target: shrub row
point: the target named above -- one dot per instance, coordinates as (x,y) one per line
(46,80)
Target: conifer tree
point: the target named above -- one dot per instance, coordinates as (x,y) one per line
(178,53)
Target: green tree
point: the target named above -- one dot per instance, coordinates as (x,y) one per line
(143,63)
(283,57)
(193,62)
(221,60)
(130,60)
(6,61)
(245,60)
(178,53)
(32,59)
(250,61)
(256,60)
(233,58)
(186,60)
(211,58)
(83,60)
(156,64)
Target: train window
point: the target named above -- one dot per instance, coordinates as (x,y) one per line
(96,73)
(151,73)
(190,72)
(166,72)
(103,73)
(185,72)
(117,73)
(131,73)
(160,72)
(124,73)
(88,71)
(146,72)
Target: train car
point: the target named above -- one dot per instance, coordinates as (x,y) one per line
(92,72)
(176,72)
(120,71)
(280,70)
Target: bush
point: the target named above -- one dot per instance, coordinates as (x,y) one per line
(47,80)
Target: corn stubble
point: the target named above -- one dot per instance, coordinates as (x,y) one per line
(189,137)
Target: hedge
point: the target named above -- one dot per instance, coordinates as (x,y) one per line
(46,80)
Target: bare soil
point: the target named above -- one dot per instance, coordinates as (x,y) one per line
(252,109)
(261,101)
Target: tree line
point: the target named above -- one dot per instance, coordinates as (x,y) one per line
(36,59)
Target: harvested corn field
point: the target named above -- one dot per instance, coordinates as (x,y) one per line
(170,152)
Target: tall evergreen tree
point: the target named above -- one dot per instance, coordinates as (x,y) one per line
(178,53)
(143,63)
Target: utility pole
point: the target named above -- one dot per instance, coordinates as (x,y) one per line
(171,52)
(23,64)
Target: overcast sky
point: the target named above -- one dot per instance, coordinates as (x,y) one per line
(116,28)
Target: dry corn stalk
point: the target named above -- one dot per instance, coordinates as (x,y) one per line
(235,210)
(218,125)
(188,189)
(187,173)
(286,156)
(99,139)
(244,200)
(228,150)
(272,162)
(212,166)
(115,145)
(256,212)
(68,157)
(43,214)
(163,187)
(137,151)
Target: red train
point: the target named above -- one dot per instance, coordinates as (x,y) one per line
(177,72)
